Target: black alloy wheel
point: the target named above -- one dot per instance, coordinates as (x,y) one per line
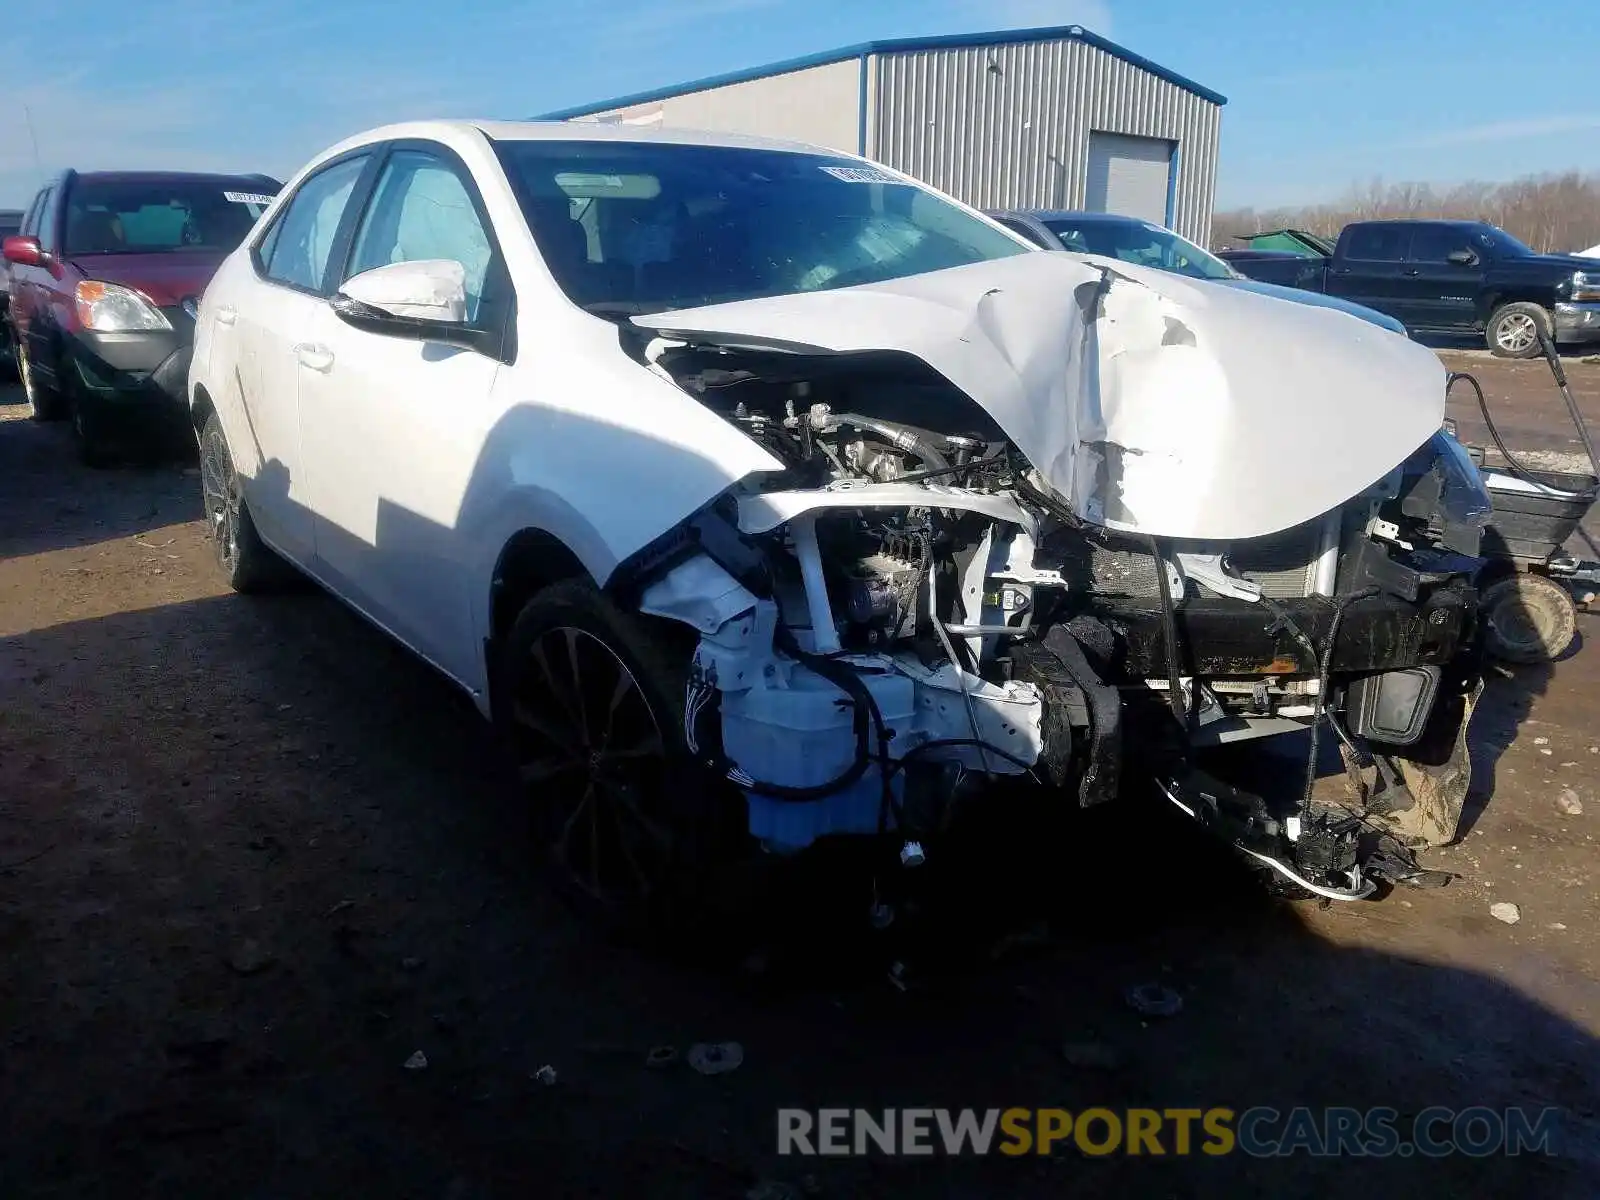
(595,755)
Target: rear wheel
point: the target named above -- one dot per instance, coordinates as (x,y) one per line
(593,703)
(1528,619)
(247,562)
(1514,330)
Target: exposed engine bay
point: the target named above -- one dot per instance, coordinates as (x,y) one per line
(907,608)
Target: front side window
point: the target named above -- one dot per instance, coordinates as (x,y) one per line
(421,210)
(46,225)
(297,248)
(636,227)
(154,216)
(1435,244)
(30,221)
(1142,243)
(1377,243)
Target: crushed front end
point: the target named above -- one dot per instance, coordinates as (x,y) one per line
(914,608)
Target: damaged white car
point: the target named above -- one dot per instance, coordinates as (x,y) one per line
(713,467)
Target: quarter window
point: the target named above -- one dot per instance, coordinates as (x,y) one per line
(421,209)
(297,248)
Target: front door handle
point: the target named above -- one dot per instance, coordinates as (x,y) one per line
(314,355)
(225,314)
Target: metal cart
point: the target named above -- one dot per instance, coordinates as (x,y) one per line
(1531,588)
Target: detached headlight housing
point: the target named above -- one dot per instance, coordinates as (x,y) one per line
(1585,286)
(112,308)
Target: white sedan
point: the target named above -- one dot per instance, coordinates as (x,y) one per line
(701,457)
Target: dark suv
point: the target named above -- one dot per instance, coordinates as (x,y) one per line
(104,276)
(10,225)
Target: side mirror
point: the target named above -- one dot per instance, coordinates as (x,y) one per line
(1462,258)
(424,301)
(24,251)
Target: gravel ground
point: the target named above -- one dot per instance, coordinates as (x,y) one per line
(253,858)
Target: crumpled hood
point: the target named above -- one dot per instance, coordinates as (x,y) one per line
(1151,403)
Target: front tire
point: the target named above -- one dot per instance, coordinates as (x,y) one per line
(247,563)
(633,830)
(1514,329)
(44,403)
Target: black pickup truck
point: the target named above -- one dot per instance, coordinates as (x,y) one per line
(1448,277)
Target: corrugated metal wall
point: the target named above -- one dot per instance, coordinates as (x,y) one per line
(1008,126)
(820,105)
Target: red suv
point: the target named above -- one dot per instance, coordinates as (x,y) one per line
(105,275)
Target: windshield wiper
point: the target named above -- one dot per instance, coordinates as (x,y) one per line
(621,308)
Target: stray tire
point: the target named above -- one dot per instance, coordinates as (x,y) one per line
(1513,330)
(247,563)
(592,704)
(44,403)
(1528,619)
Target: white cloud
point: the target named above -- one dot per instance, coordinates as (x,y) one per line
(1505,131)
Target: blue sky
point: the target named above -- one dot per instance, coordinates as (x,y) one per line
(1318,100)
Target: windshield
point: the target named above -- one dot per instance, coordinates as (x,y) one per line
(1141,243)
(153,216)
(636,227)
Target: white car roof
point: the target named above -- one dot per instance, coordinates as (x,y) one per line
(573,131)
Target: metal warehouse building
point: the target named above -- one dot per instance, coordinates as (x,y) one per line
(1037,118)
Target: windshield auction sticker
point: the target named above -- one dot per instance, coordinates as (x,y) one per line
(862,175)
(247,198)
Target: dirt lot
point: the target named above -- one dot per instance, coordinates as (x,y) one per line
(252,858)
(1524,401)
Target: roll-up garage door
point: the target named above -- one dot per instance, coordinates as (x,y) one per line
(1129,175)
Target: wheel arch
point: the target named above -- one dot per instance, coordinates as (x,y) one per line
(201,406)
(531,560)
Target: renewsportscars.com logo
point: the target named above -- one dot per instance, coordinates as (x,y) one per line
(1259,1132)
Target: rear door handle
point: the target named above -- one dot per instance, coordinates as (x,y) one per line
(1413,271)
(225,314)
(314,355)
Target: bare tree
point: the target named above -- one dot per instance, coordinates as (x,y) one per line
(1552,213)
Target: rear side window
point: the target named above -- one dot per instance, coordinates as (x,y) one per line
(297,249)
(1377,243)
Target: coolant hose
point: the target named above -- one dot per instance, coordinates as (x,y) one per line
(899,436)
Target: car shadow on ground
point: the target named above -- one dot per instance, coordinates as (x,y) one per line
(62,507)
(255,858)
